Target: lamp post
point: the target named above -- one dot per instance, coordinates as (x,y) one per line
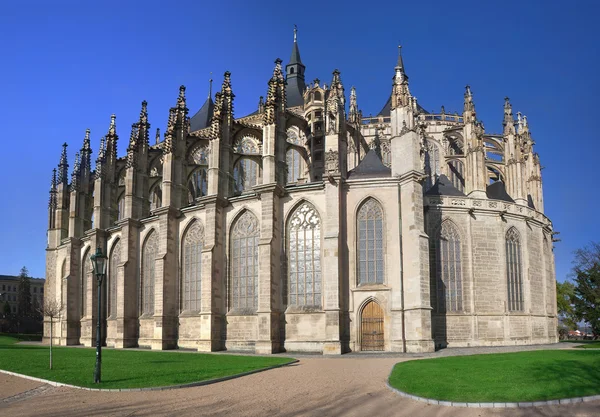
(99,262)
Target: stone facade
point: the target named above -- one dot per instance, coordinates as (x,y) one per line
(272,232)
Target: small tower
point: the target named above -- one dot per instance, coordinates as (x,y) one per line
(475,169)
(294,71)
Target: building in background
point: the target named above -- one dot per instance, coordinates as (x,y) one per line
(9,288)
(305,226)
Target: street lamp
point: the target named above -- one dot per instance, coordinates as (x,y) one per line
(99,262)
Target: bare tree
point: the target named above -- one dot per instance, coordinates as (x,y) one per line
(52,309)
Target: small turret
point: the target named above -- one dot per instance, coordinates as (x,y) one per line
(63,167)
(353,113)
(400,92)
(295,75)
(508,122)
(469,113)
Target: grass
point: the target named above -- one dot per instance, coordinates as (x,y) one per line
(125,368)
(508,377)
(591,345)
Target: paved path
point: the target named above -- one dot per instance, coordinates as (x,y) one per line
(351,385)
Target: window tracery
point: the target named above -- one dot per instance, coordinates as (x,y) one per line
(245,174)
(304,257)
(247,145)
(192,268)
(449,269)
(295,165)
(197,184)
(370,243)
(514,276)
(148,273)
(115,260)
(244,263)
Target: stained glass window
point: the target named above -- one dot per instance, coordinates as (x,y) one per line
(86,279)
(295,165)
(457,176)
(192,267)
(244,262)
(148,276)
(115,260)
(304,257)
(370,243)
(245,175)
(449,269)
(514,277)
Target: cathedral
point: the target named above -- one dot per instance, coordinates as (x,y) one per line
(305,226)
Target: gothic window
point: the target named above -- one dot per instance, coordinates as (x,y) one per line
(192,268)
(370,243)
(156,197)
(244,263)
(514,277)
(198,184)
(245,175)
(293,138)
(432,164)
(121,207)
(295,165)
(449,269)
(457,176)
(148,276)
(115,260)
(247,145)
(86,280)
(304,257)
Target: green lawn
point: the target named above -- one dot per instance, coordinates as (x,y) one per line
(507,377)
(591,345)
(125,368)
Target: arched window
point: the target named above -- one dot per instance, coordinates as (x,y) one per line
(295,165)
(304,257)
(449,269)
(121,207)
(317,96)
(370,243)
(245,175)
(192,268)
(198,184)
(115,260)
(514,277)
(457,176)
(148,276)
(292,70)
(86,279)
(244,263)
(156,197)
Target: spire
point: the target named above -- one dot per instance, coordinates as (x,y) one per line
(144,126)
(63,166)
(227,94)
(132,150)
(201,119)
(53,181)
(75,174)
(261,104)
(469,107)
(86,152)
(519,122)
(275,94)
(210,87)
(111,140)
(353,115)
(400,63)
(508,122)
(52,202)
(157,135)
(294,71)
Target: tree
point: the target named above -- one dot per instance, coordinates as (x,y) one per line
(52,309)
(586,297)
(24,294)
(565,293)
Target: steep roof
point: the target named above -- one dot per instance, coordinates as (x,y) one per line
(497,191)
(387,108)
(443,186)
(202,118)
(370,167)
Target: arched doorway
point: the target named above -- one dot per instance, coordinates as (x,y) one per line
(371,327)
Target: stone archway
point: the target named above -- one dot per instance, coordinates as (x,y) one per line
(371,327)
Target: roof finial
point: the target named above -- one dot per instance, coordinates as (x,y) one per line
(295,33)
(210,81)
(157,135)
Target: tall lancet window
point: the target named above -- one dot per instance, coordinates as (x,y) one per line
(192,268)
(245,175)
(449,269)
(244,263)
(148,276)
(514,276)
(156,197)
(457,176)
(115,260)
(295,165)
(304,257)
(86,280)
(370,243)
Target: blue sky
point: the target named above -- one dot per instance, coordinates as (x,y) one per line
(67,65)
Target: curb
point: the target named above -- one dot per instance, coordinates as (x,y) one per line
(494,405)
(166,388)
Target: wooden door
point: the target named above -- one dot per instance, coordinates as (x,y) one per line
(372,327)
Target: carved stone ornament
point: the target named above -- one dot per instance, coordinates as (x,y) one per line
(332,161)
